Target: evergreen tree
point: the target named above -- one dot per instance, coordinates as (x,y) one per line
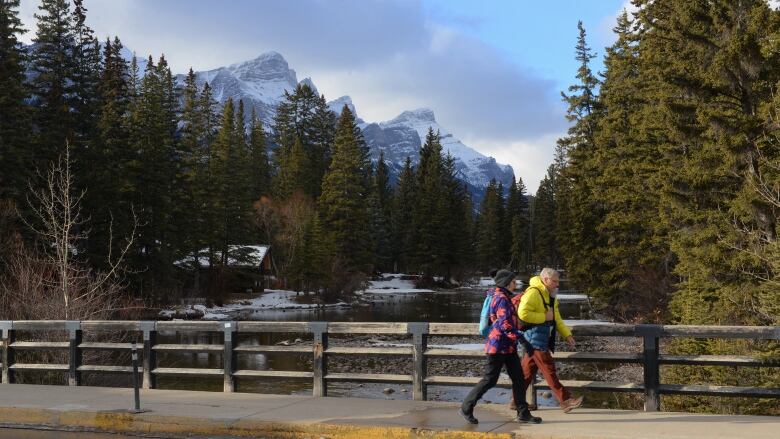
(403,203)
(343,204)
(490,227)
(260,182)
(543,227)
(304,117)
(428,215)
(518,220)
(16,163)
(53,65)
(577,213)
(381,207)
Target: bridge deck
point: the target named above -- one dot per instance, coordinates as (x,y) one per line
(241,414)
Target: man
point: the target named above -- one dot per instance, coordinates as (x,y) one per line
(539,314)
(501,350)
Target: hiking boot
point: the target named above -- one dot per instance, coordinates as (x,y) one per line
(469,417)
(525,417)
(571,404)
(513,406)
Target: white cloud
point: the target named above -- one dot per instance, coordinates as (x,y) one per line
(529,158)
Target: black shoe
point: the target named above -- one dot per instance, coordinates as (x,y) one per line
(468,417)
(525,417)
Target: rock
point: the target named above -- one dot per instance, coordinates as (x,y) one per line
(298,340)
(283,343)
(404,391)
(546,395)
(388,391)
(501,393)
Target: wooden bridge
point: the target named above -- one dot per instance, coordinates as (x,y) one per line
(49,335)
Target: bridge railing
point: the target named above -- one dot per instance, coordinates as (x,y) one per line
(417,350)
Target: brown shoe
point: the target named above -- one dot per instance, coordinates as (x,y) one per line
(571,404)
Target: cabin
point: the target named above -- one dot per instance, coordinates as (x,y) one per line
(245,269)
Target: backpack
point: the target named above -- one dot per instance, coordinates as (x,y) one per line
(484,316)
(524,325)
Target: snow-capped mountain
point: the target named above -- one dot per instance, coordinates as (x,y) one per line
(261,83)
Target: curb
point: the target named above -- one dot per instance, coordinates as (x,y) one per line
(149,423)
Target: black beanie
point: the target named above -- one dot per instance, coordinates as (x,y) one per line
(503,278)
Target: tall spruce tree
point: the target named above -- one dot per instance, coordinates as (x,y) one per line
(53,65)
(16,161)
(344,200)
(577,213)
(381,215)
(403,204)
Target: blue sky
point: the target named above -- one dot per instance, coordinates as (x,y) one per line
(491,70)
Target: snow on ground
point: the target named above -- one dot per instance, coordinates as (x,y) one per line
(393,284)
(271,299)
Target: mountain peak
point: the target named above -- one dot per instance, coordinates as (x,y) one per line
(269,66)
(420,114)
(337,105)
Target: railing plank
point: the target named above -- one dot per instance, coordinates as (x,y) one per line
(755,392)
(188,371)
(453,329)
(370,378)
(32,345)
(107,369)
(296,349)
(189,326)
(39,325)
(366,328)
(111,325)
(368,351)
(442,380)
(754,332)
(92,346)
(214,348)
(246,373)
(302,327)
(719,360)
(30,366)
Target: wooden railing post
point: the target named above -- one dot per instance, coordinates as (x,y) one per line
(650,335)
(229,357)
(150,357)
(419,333)
(320,364)
(7,328)
(74,353)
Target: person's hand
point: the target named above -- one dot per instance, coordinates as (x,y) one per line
(548,316)
(570,341)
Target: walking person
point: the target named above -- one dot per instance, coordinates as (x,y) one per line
(501,350)
(541,318)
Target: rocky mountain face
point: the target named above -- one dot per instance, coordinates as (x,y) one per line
(261,83)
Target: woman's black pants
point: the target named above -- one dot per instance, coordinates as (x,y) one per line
(493,368)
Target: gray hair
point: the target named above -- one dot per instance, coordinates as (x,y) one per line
(549,273)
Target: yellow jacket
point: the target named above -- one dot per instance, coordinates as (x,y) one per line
(531,309)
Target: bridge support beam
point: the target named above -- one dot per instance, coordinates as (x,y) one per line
(320,364)
(650,353)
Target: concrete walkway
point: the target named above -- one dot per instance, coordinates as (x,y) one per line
(179,413)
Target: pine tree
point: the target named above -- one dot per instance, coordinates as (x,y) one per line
(260,183)
(403,203)
(518,221)
(577,212)
(343,203)
(546,252)
(428,216)
(304,117)
(490,225)
(380,213)
(16,162)
(52,63)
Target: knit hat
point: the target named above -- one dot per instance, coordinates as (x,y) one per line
(503,278)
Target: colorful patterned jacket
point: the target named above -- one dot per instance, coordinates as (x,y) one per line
(505,331)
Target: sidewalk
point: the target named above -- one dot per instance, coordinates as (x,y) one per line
(179,413)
